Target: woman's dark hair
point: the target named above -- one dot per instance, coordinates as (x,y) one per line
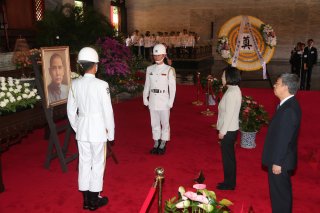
(232,75)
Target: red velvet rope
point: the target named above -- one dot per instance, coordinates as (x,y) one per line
(147,201)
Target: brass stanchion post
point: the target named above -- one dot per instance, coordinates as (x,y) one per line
(160,176)
(198,102)
(208,112)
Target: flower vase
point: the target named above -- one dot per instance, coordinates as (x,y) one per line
(248,140)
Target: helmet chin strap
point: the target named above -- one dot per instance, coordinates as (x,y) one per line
(158,62)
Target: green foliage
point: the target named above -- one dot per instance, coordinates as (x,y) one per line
(73,27)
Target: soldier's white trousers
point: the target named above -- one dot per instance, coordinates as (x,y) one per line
(92,161)
(160,124)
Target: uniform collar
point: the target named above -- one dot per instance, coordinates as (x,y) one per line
(160,65)
(89,75)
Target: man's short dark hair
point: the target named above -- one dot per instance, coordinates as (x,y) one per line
(232,75)
(86,65)
(291,81)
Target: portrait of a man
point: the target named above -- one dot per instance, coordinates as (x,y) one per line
(56,89)
(56,74)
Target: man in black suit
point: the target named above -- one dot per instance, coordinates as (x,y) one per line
(280,148)
(310,57)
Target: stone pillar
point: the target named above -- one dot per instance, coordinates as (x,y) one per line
(102,6)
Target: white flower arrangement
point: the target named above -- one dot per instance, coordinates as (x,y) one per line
(223,47)
(268,35)
(14,94)
(75,75)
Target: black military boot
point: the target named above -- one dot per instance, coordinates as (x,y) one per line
(85,199)
(96,201)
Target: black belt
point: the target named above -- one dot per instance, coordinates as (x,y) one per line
(157,91)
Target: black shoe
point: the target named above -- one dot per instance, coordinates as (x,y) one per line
(85,199)
(224,186)
(222,183)
(96,201)
(161,151)
(154,151)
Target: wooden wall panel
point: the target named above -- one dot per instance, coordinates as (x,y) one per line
(20,14)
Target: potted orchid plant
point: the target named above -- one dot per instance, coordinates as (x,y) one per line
(197,200)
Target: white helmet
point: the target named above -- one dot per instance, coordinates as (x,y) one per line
(88,54)
(159,49)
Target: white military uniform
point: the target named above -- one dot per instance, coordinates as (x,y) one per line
(160,88)
(91,116)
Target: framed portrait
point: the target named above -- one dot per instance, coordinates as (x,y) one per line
(56,74)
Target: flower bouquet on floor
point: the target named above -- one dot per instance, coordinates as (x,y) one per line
(197,200)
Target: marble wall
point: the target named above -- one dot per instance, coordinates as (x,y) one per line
(293,20)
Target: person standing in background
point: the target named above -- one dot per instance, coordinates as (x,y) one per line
(296,59)
(228,125)
(147,46)
(135,42)
(280,147)
(90,114)
(310,57)
(158,94)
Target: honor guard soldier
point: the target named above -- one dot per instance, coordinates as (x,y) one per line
(158,94)
(91,117)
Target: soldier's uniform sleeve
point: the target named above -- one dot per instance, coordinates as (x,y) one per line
(72,109)
(146,89)
(172,85)
(108,112)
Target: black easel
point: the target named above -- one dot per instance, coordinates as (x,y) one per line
(258,79)
(54,129)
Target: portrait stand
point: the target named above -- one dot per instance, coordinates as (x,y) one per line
(54,148)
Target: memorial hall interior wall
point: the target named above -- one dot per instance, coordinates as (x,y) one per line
(293,20)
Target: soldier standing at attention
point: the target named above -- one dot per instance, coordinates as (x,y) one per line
(158,94)
(91,117)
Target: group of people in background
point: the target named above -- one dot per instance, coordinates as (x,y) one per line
(302,60)
(176,42)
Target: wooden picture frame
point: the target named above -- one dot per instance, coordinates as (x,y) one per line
(56,74)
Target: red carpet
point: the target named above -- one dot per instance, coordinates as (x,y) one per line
(193,146)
